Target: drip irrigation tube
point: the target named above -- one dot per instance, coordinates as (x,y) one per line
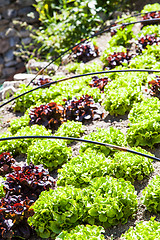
(92,36)
(77,76)
(123,149)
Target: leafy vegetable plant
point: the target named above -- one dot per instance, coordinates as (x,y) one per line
(56,211)
(107,201)
(49,115)
(50,153)
(2,193)
(151,7)
(37,97)
(80,170)
(116,56)
(18,123)
(70,129)
(85,51)
(155,87)
(113,202)
(151,195)
(19,190)
(6,163)
(122,36)
(110,135)
(144,123)
(99,82)
(144,41)
(20,146)
(28,181)
(143,230)
(150,29)
(143,61)
(130,166)
(14,214)
(120,96)
(41,81)
(83,232)
(82,68)
(82,109)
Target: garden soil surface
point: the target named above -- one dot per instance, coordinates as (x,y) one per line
(120,122)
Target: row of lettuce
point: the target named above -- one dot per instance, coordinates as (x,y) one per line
(95,187)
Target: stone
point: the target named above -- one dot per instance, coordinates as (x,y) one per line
(7,92)
(4,46)
(1,60)
(26,41)
(13,41)
(11,63)
(14,84)
(24,11)
(9,13)
(10,32)
(8,71)
(24,33)
(27,76)
(23,76)
(4,22)
(33,65)
(25,2)
(1,67)
(4,2)
(32,17)
(8,56)
(2,35)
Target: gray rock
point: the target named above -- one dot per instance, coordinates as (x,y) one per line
(25,2)
(1,60)
(23,76)
(2,35)
(10,32)
(4,2)
(24,33)
(8,71)
(13,41)
(14,84)
(7,92)
(26,41)
(4,46)
(24,11)
(8,56)
(4,22)
(1,67)
(33,65)
(10,64)
(9,13)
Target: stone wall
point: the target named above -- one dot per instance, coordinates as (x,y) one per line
(14,20)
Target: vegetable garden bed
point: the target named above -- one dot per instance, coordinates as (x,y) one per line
(86,184)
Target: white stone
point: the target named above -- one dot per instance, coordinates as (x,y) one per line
(27,76)
(23,76)
(33,65)
(14,84)
(7,92)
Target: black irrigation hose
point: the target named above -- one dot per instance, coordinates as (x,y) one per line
(92,36)
(123,149)
(77,76)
